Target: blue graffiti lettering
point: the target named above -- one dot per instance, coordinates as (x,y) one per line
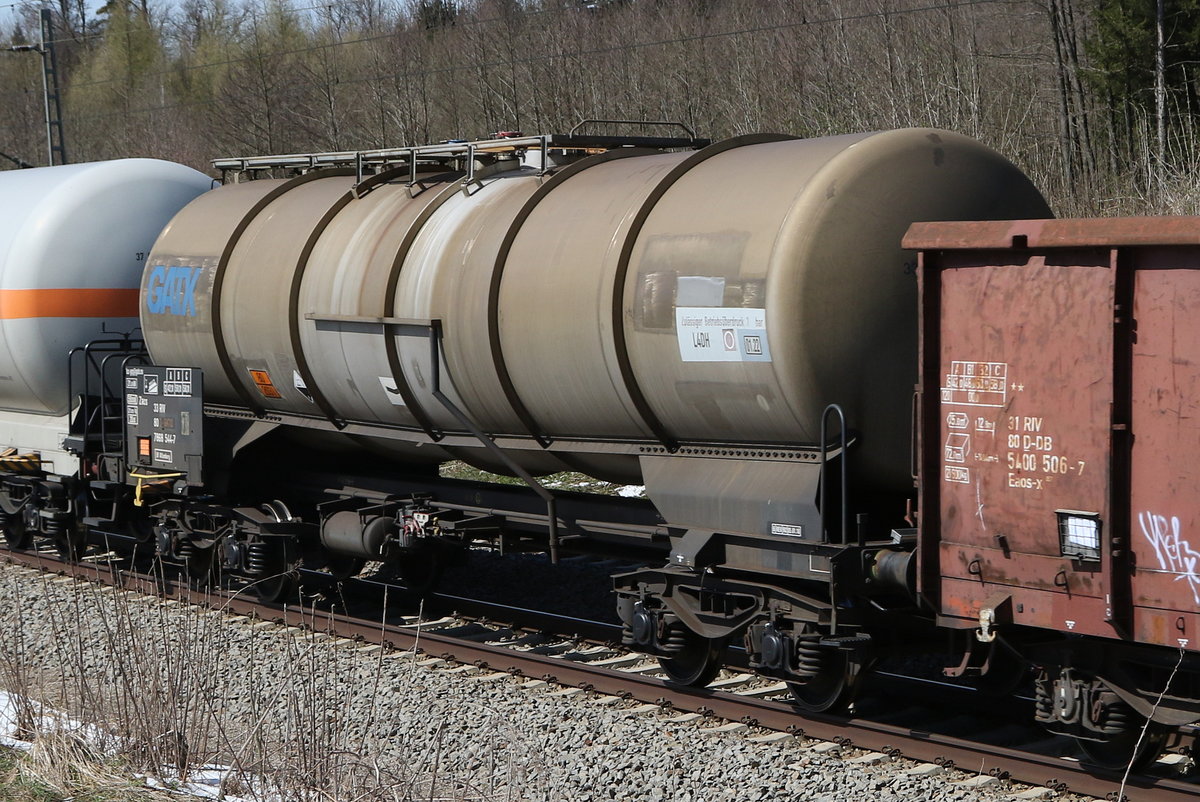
(172,290)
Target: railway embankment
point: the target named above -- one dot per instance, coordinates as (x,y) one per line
(166,689)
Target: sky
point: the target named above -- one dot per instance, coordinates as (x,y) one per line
(8,11)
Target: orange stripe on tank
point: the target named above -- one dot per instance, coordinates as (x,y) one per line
(90,302)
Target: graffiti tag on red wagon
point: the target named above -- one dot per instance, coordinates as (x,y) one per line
(1175,555)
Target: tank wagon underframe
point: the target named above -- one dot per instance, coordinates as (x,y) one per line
(73,244)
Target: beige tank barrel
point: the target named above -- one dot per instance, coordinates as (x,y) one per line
(720,296)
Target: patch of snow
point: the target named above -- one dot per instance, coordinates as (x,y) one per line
(202,783)
(43,720)
(8,723)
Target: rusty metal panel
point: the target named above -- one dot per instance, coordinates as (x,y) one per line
(1034,608)
(1165,396)
(1022,427)
(1106,232)
(1166,627)
(1092,327)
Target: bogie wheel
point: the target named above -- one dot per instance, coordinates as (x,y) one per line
(698,663)
(144,554)
(1128,750)
(71,544)
(279,563)
(281,577)
(277,510)
(277,587)
(831,690)
(203,567)
(16,534)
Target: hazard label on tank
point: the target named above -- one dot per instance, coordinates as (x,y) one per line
(722,334)
(263,382)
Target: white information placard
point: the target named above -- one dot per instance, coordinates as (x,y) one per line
(722,334)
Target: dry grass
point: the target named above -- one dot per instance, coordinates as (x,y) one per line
(61,766)
(153,684)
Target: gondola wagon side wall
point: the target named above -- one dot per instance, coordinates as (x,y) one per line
(1058,435)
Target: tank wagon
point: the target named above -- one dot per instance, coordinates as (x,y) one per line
(734,325)
(679,317)
(73,242)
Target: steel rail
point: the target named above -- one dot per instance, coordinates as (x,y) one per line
(952,752)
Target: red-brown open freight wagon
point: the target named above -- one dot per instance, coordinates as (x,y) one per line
(1059,451)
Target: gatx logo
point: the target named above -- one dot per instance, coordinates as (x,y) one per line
(172,290)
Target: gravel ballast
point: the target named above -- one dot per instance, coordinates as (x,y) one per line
(175,683)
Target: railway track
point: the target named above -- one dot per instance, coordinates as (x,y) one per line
(464,635)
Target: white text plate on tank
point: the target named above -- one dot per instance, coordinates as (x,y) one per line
(722,334)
